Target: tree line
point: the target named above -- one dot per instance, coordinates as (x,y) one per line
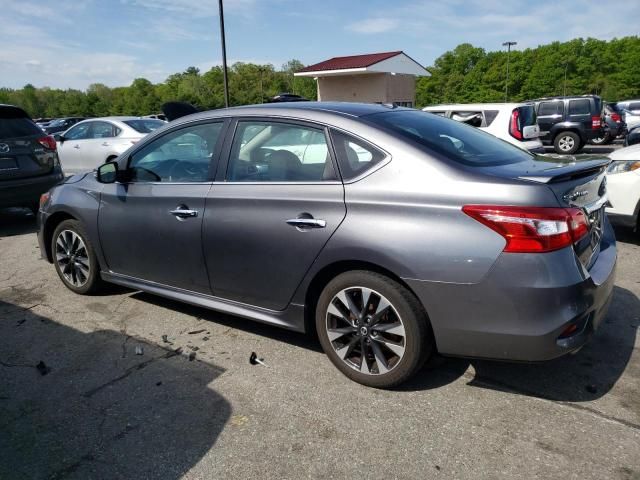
(465,74)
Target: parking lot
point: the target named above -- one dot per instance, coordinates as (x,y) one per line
(128,385)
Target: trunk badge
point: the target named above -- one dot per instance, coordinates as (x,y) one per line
(569,197)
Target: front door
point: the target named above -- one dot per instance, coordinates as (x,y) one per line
(73,147)
(151,223)
(267,222)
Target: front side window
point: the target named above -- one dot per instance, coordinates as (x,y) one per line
(355,156)
(456,141)
(265,151)
(579,107)
(183,155)
(550,108)
(79,132)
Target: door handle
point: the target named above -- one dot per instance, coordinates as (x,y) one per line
(182,213)
(307,223)
(105,144)
(76,146)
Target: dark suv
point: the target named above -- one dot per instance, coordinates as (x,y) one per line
(29,164)
(569,123)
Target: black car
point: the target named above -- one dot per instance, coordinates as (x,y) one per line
(633,137)
(29,164)
(614,126)
(62,124)
(569,123)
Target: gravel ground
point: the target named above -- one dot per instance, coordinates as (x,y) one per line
(103,410)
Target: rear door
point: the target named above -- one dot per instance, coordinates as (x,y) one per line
(21,154)
(269,217)
(96,148)
(549,113)
(580,112)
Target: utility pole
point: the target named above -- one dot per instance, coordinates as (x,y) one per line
(564,87)
(506,84)
(224,56)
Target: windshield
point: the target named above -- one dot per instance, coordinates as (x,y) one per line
(459,142)
(145,125)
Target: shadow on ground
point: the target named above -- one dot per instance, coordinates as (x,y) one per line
(100,410)
(627,235)
(17,221)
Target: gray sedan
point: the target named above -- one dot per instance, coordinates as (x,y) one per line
(390,233)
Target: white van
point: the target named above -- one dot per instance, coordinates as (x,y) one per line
(515,123)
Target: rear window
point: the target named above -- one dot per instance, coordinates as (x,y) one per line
(550,108)
(18,127)
(456,141)
(579,107)
(145,126)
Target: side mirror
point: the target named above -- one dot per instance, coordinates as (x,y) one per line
(107,173)
(58,137)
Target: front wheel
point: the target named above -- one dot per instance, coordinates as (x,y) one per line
(567,143)
(373,329)
(74,258)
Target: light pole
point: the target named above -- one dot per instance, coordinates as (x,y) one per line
(506,84)
(224,56)
(564,86)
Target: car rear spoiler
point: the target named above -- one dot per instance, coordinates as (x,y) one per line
(570,171)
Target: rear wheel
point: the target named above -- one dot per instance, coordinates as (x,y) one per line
(605,139)
(75,259)
(373,329)
(567,143)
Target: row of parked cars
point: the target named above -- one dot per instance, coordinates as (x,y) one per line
(567,123)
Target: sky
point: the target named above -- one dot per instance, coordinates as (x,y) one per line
(74,43)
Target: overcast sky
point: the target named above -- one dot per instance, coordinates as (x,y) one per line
(73,43)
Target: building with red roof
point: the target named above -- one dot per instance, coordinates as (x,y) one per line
(387,77)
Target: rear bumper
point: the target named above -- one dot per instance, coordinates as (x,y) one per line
(521,308)
(24,192)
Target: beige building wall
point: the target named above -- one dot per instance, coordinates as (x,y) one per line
(367,88)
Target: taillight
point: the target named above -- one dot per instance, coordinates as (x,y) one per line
(616,117)
(596,122)
(48,142)
(514,127)
(532,229)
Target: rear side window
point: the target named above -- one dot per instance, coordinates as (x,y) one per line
(490,116)
(103,130)
(470,118)
(355,156)
(17,127)
(550,108)
(453,140)
(634,106)
(579,107)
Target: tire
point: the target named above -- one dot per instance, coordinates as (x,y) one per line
(606,139)
(567,143)
(403,323)
(83,274)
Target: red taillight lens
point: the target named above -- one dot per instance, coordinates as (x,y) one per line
(532,229)
(596,122)
(616,117)
(514,127)
(48,142)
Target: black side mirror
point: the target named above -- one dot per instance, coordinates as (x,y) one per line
(107,173)
(58,137)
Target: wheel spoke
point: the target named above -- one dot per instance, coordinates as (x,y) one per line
(383,305)
(335,311)
(348,348)
(364,368)
(335,333)
(393,328)
(366,299)
(347,301)
(383,367)
(394,347)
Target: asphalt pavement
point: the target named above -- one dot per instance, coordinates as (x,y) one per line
(128,385)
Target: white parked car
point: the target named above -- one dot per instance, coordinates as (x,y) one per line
(515,123)
(623,186)
(90,143)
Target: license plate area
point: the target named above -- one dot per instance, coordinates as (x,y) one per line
(8,164)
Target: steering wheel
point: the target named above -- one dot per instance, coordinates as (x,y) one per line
(186,170)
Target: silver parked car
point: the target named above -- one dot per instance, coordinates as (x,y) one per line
(391,232)
(90,143)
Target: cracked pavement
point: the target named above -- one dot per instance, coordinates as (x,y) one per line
(103,411)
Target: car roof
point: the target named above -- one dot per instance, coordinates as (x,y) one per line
(450,106)
(564,97)
(300,109)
